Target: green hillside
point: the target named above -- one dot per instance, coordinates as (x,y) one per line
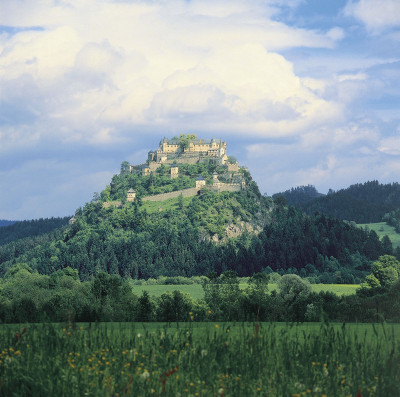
(196,229)
(362,203)
(31,228)
(172,204)
(383,229)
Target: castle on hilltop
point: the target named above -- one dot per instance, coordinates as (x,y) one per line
(183,150)
(187,149)
(190,151)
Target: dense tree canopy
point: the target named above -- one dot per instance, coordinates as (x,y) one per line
(22,229)
(26,296)
(362,202)
(385,272)
(197,236)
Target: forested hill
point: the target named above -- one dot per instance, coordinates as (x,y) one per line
(188,237)
(31,228)
(210,232)
(299,195)
(363,202)
(4,222)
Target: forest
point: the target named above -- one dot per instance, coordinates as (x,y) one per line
(27,296)
(4,222)
(136,244)
(30,228)
(362,203)
(54,271)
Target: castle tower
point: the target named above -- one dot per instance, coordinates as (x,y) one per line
(146,171)
(215,179)
(216,184)
(174,172)
(130,195)
(200,182)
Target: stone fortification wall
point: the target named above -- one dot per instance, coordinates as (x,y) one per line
(223,187)
(233,167)
(182,160)
(153,166)
(109,204)
(226,187)
(165,196)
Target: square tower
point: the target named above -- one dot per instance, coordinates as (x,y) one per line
(130,195)
(200,182)
(174,172)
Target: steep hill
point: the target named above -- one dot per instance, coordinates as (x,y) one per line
(162,218)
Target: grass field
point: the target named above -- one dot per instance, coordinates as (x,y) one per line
(196,290)
(202,359)
(383,229)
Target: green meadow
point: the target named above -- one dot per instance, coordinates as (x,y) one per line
(196,290)
(200,359)
(382,229)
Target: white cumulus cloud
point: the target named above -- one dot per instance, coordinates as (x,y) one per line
(377,15)
(95,65)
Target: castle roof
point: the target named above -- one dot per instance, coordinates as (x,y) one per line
(175,141)
(131,191)
(200,178)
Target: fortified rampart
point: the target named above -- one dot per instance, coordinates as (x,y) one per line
(165,196)
(115,204)
(223,187)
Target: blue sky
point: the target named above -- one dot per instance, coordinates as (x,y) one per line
(304,92)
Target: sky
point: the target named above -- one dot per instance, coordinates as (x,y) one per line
(303,92)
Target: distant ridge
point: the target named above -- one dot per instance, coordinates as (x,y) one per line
(362,202)
(4,222)
(35,227)
(299,195)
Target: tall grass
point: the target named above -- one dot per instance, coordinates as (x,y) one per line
(199,360)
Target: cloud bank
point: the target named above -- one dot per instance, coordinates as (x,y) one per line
(87,84)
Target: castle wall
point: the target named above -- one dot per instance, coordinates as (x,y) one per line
(226,187)
(197,147)
(183,160)
(136,169)
(165,196)
(233,167)
(223,187)
(167,148)
(109,204)
(154,166)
